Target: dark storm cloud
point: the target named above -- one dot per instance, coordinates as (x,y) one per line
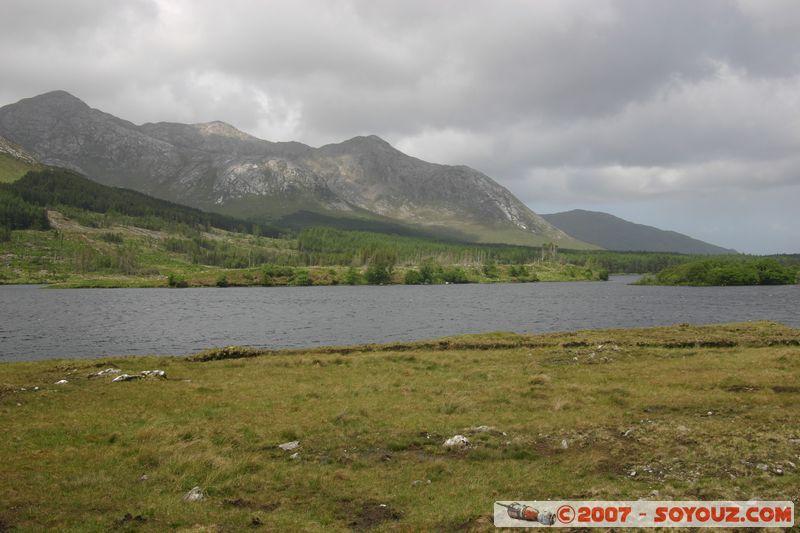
(633,105)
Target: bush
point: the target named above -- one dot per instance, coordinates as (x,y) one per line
(490,269)
(518,271)
(300,278)
(222,281)
(177,281)
(115,238)
(454,275)
(5,234)
(278,271)
(413,277)
(353,277)
(379,273)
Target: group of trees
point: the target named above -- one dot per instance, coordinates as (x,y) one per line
(329,246)
(16,213)
(54,187)
(726,271)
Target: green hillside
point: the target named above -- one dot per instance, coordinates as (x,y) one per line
(58,227)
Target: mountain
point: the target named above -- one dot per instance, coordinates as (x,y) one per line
(215,166)
(613,233)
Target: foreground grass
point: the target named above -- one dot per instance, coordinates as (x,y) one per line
(666,413)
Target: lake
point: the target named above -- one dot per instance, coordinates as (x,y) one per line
(37,323)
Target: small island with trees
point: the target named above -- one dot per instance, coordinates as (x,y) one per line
(723,271)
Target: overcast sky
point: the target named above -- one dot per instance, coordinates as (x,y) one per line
(680,114)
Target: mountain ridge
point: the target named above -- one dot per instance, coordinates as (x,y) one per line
(617,234)
(213,165)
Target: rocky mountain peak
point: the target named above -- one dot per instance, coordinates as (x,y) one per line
(223,129)
(59,102)
(214,165)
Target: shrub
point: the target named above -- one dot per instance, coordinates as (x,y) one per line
(379,273)
(5,234)
(278,271)
(454,275)
(413,277)
(353,277)
(115,238)
(177,281)
(222,281)
(300,278)
(490,269)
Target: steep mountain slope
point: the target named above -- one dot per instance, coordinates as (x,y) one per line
(215,166)
(613,233)
(14,161)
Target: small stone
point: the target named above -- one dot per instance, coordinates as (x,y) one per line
(762,467)
(288,446)
(105,372)
(632,473)
(778,471)
(456,441)
(194,495)
(125,377)
(154,374)
(61,382)
(564,444)
(295,456)
(710,413)
(144,477)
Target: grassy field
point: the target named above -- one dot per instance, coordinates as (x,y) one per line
(681,412)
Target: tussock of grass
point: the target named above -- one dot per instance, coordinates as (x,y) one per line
(612,414)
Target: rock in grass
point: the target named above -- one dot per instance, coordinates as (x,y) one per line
(61,382)
(456,441)
(105,372)
(125,377)
(194,495)
(288,446)
(154,374)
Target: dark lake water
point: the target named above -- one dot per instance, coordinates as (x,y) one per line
(38,323)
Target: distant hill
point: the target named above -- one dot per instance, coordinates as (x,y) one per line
(614,233)
(214,166)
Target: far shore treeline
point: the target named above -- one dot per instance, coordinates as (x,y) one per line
(59,227)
